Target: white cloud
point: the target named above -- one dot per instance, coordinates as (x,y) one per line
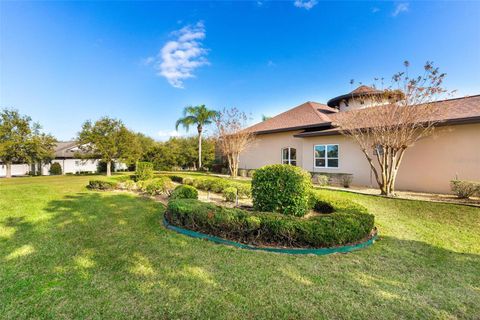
(400,7)
(270,63)
(375,9)
(165,135)
(178,58)
(306,4)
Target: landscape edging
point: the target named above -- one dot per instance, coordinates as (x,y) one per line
(318,251)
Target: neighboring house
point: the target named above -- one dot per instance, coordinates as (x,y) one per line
(300,136)
(67,155)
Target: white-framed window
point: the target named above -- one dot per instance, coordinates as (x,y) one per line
(289,156)
(325,156)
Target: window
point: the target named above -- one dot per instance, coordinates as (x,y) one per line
(289,156)
(326,156)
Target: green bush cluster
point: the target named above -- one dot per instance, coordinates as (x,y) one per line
(267,228)
(144,171)
(184,192)
(176,178)
(102,185)
(465,189)
(161,185)
(282,188)
(55,169)
(230,194)
(250,173)
(218,185)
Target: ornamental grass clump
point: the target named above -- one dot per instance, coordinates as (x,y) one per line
(282,188)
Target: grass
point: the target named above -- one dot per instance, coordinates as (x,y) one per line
(66,252)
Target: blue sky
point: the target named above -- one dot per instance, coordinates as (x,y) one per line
(65,62)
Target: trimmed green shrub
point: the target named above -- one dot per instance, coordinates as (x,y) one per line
(230,194)
(188,181)
(242,172)
(162,185)
(101,185)
(250,173)
(144,171)
(175,178)
(244,190)
(55,169)
(281,188)
(465,189)
(267,228)
(184,192)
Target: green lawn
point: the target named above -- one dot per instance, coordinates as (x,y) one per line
(66,252)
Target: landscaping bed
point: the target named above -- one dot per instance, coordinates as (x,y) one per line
(272,229)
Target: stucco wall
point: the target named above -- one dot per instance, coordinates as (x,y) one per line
(427,166)
(267,149)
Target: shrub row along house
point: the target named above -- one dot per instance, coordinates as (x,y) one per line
(67,154)
(307,136)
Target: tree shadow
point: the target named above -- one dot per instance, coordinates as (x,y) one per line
(107,255)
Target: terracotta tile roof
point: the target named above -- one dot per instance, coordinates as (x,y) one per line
(304,115)
(312,114)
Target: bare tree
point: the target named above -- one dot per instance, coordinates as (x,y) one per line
(399,116)
(232,137)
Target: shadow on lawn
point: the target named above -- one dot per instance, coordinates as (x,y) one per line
(108,254)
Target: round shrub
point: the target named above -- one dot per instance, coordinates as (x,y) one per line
(55,169)
(188,181)
(268,228)
(250,173)
(281,188)
(184,192)
(230,194)
(242,172)
(162,185)
(101,185)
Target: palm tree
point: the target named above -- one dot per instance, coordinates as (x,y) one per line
(200,116)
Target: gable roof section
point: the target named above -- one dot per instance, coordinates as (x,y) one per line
(308,114)
(63,149)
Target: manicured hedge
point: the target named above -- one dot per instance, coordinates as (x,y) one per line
(347,225)
(184,192)
(101,185)
(281,188)
(215,184)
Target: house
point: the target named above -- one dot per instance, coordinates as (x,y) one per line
(67,154)
(300,136)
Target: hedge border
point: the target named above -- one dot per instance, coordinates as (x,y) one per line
(319,251)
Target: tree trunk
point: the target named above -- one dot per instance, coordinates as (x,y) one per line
(199,147)
(8,173)
(109,168)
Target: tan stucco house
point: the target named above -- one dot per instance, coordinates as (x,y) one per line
(305,136)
